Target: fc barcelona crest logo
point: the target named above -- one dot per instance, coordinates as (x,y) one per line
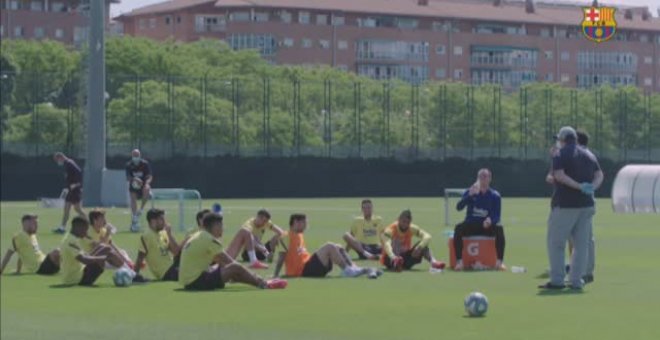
(599,24)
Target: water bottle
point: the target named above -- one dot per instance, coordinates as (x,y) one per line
(518,270)
(217,208)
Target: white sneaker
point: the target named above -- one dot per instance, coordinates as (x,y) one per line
(354,271)
(135,228)
(59,230)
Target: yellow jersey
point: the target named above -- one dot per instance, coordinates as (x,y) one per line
(367,231)
(196,256)
(93,238)
(258,232)
(71,268)
(155,245)
(397,242)
(27,247)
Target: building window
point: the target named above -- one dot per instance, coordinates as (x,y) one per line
(325,44)
(152,23)
(14,5)
(240,16)
(261,17)
(2,31)
(440,73)
(549,77)
(37,6)
(392,50)
(367,22)
(285,16)
(648,81)
(178,20)
(548,55)
(288,42)
(18,31)
(79,34)
(303,18)
(342,44)
(644,38)
(57,7)
(338,21)
(565,56)
(59,33)
(321,19)
(212,23)
(39,32)
(406,23)
(264,43)
(142,24)
(509,56)
(565,78)
(437,26)
(458,74)
(342,67)
(410,73)
(458,50)
(307,43)
(168,20)
(545,32)
(440,49)
(648,60)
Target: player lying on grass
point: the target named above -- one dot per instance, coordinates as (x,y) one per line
(398,251)
(204,248)
(299,262)
(364,236)
(157,245)
(139,177)
(74,179)
(484,207)
(78,266)
(30,258)
(249,238)
(100,233)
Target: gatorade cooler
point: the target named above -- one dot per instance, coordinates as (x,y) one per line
(479,252)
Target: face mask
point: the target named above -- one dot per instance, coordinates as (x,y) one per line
(60,163)
(136,160)
(558,145)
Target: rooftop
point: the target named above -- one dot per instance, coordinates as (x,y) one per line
(508,11)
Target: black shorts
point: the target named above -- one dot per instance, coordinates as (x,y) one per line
(48,267)
(408,260)
(207,281)
(90,274)
(137,192)
(260,256)
(371,248)
(74,196)
(172,274)
(315,268)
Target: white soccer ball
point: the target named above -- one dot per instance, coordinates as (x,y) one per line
(136,183)
(122,277)
(476,304)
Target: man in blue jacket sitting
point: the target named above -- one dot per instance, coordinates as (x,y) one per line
(482,218)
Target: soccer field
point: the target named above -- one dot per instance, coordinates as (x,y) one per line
(621,304)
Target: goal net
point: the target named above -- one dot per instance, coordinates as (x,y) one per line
(636,189)
(180,205)
(452,196)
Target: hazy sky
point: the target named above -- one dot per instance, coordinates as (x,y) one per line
(128,5)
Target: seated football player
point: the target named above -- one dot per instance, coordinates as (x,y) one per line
(30,258)
(398,250)
(299,262)
(199,218)
(482,218)
(364,236)
(79,267)
(157,245)
(100,234)
(249,238)
(204,248)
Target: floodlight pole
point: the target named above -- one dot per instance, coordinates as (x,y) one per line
(95,160)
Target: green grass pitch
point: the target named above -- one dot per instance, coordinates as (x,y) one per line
(621,304)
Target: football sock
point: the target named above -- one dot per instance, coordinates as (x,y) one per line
(252,255)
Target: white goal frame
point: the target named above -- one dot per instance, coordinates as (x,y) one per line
(179,195)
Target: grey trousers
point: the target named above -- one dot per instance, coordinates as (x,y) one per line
(565,224)
(591,255)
